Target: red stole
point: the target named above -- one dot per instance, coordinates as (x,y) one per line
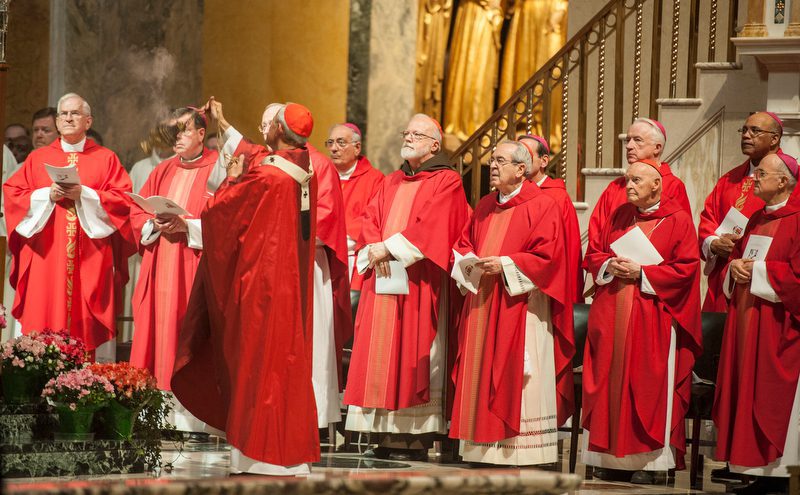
(734,189)
(244,352)
(628,341)
(760,357)
(64,279)
(390,366)
(168,265)
(489,364)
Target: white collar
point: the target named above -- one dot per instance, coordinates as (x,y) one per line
(73,148)
(752,169)
(770,209)
(347,173)
(504,199)
(541,181)
(650,209)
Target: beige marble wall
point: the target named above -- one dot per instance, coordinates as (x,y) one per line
(390,102)
(27,54)
(132,60)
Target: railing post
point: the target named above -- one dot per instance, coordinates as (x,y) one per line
(673,60)
(712,32)
(655,61)
(582,100)
(619,82)
(637,59)
(691,74)
(564,117)
(601,89)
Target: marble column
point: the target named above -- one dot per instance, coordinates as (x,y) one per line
(755,26)
(132,61)
(358,65)
(793,29)
(391,81)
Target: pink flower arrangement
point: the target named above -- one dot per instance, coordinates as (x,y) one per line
(80,387)
(133,387)
(50,351)
(3,317)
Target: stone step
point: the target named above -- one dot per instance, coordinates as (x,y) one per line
(57,458)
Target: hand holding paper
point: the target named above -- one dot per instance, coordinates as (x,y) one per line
(467,271)
(635,246)
(63,175)
(158,205)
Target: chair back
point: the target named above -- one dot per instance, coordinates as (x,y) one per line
(580,316)
(713,326)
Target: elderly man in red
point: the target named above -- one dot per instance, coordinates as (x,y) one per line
(360,181)
(757,403)
(513,370)
(70,239)
(733,201)
(555,188)
(644,333)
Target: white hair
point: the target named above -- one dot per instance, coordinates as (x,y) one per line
(356,136)
(436,134)
(521,154)
(655,132)
(269,107)
(290,136)
(85,108)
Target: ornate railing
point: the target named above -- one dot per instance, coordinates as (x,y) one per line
(601,80)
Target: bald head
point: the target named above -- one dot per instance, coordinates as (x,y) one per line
(761,135)
(642,185)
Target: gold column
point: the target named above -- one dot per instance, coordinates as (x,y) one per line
(755,26)
(793,29)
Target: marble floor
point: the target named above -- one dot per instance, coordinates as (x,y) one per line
(193,467)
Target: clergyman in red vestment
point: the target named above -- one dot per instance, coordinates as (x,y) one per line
(733,198)
(245,348)
(555,188)
(70,239)
(395,383)
(171,246)
(757,402)
(644,332)
(513,372)
(645,140)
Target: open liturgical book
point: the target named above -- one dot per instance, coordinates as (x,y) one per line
(63,175)
(158,205)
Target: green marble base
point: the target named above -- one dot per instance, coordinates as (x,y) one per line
(51,458)
(20,423)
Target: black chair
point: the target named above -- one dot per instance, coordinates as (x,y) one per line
(702,399)
(580,314)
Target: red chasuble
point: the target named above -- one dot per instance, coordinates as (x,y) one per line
(357,191)
(615,196)
(734,189)
(390,364)
(489,365)
(168,265)
(63,278)
(760,358)
(244,351)
(628,341)
(556,189)
(331,231)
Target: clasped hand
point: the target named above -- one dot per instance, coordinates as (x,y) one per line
(724,244)
(624,268)
(379,258)
(170,224)
(64,191)
(742,270)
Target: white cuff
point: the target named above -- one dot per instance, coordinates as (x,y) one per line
(645,286)
(362,259)
(149,233)
(602,277)
(38,214)
(727,283)
(231,138)
(516,282)
(759,283)
(711,258)
(402,250)
(92,216)
(194,234)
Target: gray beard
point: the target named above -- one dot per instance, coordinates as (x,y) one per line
(410,154)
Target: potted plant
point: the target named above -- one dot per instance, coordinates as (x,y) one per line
(76,395)
(30,360)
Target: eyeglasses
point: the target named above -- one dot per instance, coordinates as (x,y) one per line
(340,143)
(501,161)
(415,136)
(754,131)
(263,128)
(71,113)
(760,173)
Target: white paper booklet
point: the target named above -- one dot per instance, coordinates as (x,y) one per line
(757,247)
(396,283)
(466,272)
(635,246)
(733,223)
(158,205)
(63,175)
